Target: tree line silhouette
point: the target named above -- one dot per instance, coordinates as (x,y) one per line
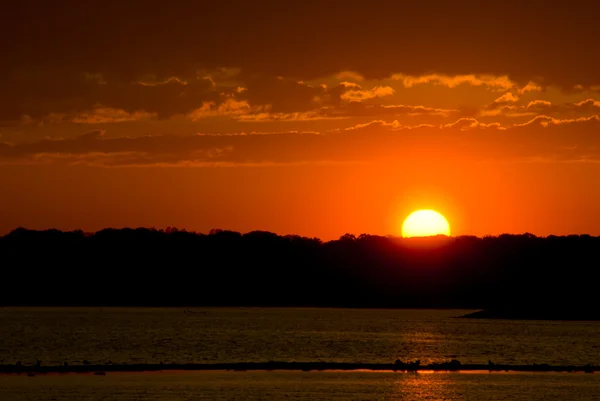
(149,267)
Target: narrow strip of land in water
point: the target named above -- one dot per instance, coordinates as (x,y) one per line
(299,366)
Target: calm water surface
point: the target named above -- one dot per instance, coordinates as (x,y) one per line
(303,386)
(144,335)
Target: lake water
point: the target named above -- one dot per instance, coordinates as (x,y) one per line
(303,386)
(144,335)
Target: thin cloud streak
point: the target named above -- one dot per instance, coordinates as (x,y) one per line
(374,142)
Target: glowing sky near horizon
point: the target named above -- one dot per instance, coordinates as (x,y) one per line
(311,118)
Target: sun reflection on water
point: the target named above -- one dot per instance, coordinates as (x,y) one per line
(425,386)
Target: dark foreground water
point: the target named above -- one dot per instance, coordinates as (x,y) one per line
(130,335)
(303,386)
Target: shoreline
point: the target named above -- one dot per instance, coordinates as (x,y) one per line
(548,315)
(452,366)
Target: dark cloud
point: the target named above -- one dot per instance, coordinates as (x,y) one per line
(283,95)
(70,56)
(43,93)
(584,106)
(304,40)
(542,138)
(344,111)
(536,107)
(359,109)
(507,98)
(166,99)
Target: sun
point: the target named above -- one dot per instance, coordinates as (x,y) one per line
(425,223)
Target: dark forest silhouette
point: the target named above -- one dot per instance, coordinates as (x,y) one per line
(149,267)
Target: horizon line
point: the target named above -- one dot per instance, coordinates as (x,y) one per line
(215,231)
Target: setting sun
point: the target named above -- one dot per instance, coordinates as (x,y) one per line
(425,223)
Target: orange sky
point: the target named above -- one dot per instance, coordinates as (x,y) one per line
(312,118)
